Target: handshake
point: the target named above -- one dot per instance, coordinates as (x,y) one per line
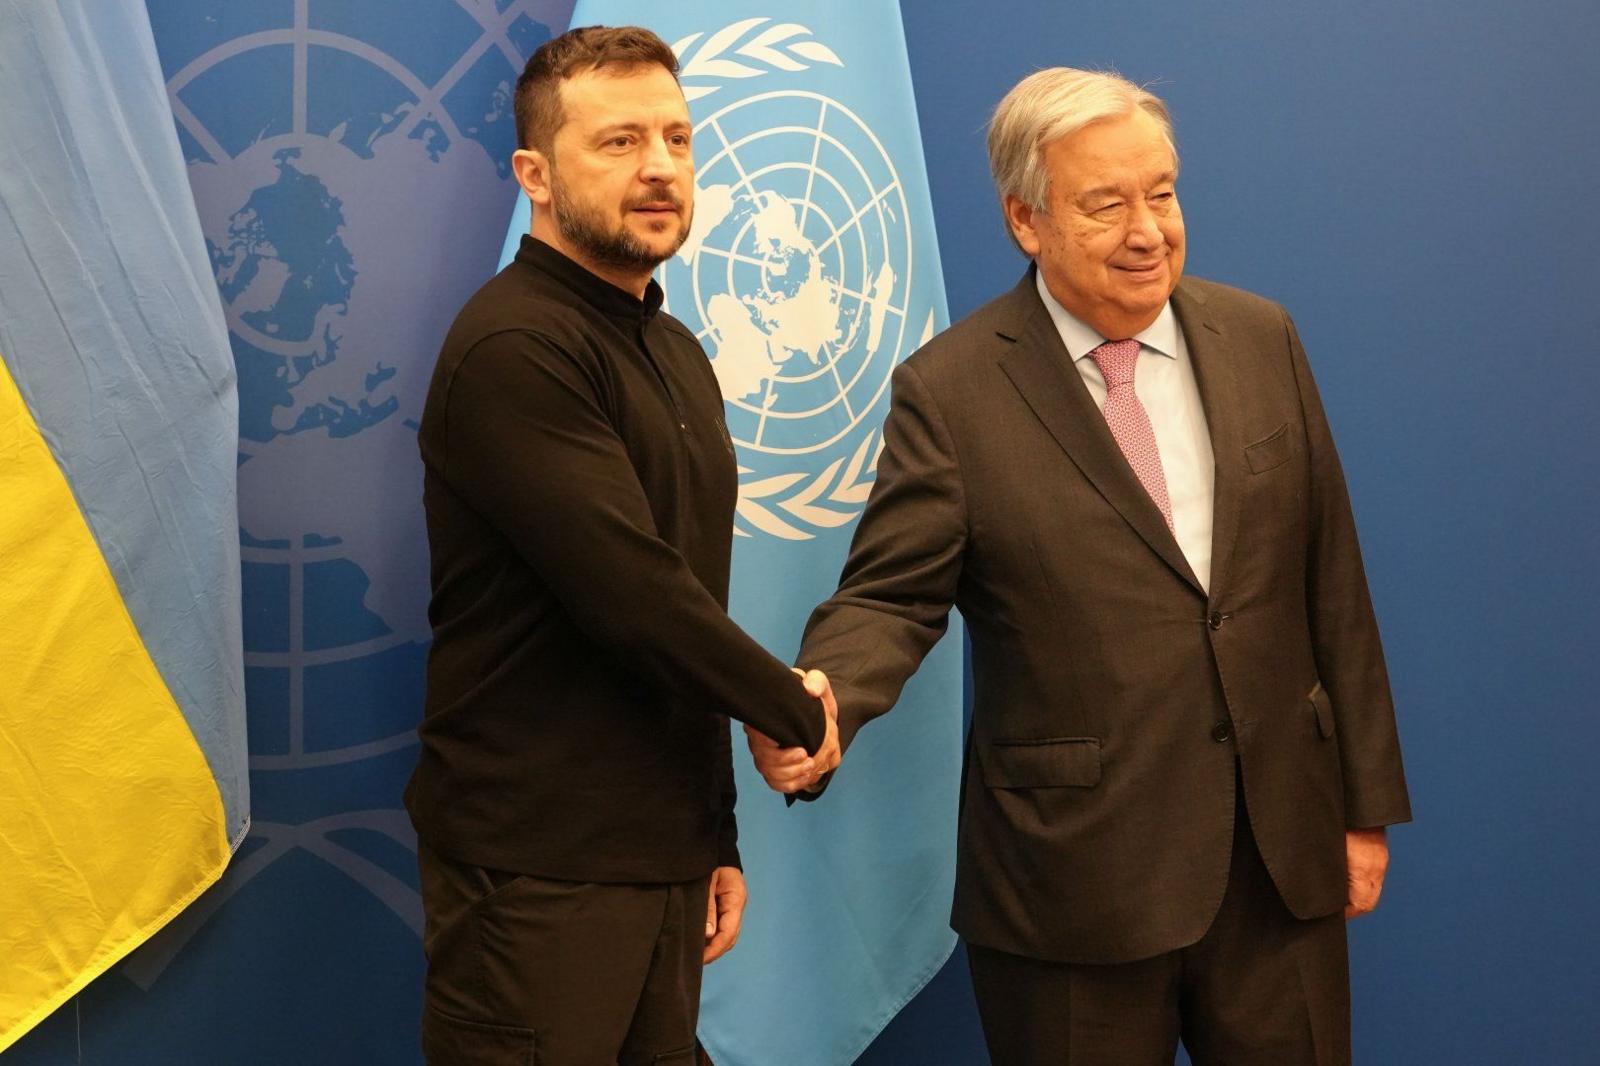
(791,770)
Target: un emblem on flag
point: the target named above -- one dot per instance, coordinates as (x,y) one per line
(796,277)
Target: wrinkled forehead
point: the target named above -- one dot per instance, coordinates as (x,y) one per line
(1128,148)
(637,95)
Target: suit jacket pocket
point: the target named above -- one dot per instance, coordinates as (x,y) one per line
(1268,452)
(1055,762)
(1323,708)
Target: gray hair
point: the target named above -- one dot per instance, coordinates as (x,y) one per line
(1048,105)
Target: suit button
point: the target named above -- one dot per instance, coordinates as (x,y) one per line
(1221,732)
(1215,621)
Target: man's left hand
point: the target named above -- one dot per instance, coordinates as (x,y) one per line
(724,911)
(1366,856)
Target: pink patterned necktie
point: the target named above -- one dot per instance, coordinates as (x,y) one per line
(1129,422)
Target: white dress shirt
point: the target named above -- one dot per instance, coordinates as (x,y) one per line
(1164,382)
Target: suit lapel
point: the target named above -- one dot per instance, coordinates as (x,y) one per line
(1042,371)
(1216,372)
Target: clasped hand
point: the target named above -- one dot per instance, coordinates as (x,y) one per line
(789,770)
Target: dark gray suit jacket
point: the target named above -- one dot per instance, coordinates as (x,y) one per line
(1113,694)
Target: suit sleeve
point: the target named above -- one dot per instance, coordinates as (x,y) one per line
(899,582)
(1344,629)
(530,445)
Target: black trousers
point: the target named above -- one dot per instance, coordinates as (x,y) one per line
(557,973)
(1261,988)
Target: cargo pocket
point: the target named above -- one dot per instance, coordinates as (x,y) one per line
(1268,452)
(1323,708)
(451,1041)
(1056,762)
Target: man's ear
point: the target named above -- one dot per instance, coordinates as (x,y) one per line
(1019,216)
(532,170)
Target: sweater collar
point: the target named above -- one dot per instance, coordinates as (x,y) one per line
(595,290)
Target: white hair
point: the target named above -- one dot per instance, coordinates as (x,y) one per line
(1048,105)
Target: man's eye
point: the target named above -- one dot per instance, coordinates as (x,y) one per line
(1107,210)
(1161,198)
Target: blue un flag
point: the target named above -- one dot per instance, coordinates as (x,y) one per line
(810,273)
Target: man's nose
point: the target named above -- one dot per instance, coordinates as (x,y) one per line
(658,165)
(1142,229)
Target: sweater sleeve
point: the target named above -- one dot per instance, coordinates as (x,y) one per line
(529,444)
(728,834)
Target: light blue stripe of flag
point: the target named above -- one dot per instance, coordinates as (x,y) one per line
(111,325)
(812,270)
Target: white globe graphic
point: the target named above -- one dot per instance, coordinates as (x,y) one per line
(337,237)
(796,272)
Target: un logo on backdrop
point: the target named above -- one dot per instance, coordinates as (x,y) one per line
(796,275)
(341,167)
(340,181)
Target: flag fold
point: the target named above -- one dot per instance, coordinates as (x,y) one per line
(123,787)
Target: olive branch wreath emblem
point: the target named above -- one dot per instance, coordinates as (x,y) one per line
(850,489)
(774,48)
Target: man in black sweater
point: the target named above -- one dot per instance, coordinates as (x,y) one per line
(574,795)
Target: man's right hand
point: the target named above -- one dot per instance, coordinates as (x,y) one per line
(789,770)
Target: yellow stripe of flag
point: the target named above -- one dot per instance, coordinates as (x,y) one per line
(110,819)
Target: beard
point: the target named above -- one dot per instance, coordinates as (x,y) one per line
(585,227)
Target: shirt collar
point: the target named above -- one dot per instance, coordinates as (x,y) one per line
(595,290)
(1080,338)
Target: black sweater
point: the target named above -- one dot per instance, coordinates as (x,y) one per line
(579,487)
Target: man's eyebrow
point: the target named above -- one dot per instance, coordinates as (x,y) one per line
(1098,192)
(618,127)
(626,126)
(1115,192)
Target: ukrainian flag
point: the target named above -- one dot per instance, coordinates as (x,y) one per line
(123,787)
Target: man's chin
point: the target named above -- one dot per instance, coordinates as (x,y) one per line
(1140,295)
(1142,281)
(659,245)
(1142,307)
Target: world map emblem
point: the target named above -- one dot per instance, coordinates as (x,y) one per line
(796,276)
(338,172)
(337,211)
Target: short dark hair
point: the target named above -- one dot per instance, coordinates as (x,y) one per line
(537,103)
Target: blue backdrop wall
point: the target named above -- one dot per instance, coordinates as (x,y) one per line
(1414,181)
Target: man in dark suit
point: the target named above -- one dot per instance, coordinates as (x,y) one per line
(1183,750)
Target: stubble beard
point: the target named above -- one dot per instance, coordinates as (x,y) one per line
(617,248)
